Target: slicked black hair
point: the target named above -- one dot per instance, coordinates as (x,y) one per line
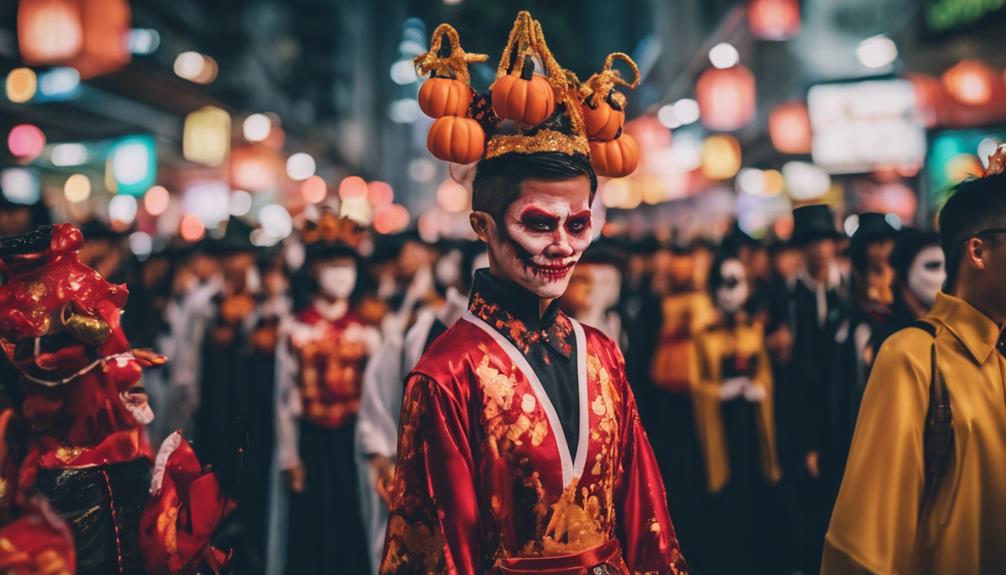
(975,205)
(497,181)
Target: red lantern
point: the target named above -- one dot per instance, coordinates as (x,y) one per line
(970,82)
(774,19)
(255,168)
(789,128)
(89,35)
(726,97)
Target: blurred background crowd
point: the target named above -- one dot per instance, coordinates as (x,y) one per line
(793,154)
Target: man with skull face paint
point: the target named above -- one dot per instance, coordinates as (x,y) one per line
(321,358)
(520,446)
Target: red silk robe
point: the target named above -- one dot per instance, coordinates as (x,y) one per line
(485,482)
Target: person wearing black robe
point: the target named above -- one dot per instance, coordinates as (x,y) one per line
(814,412)
(233,426)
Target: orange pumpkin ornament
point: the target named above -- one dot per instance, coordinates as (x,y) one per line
(448,90)
(439,97)
(459,140)
(524,98)
(604,108)
(605,121)
(615,158)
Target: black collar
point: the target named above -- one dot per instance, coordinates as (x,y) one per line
(513,311)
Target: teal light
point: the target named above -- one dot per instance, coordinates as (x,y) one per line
(948,152)
(133,162)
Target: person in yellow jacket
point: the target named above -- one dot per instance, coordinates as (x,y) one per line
(733,397)
(899,511)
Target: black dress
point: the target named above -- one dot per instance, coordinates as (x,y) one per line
(234,433)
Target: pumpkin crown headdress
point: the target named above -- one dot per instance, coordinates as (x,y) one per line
(329,235)
(534,107)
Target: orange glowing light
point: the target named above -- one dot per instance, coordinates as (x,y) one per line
(774,19)
(726,98)
(156,200)
(380,194)
(191,228)
(789,128)
(391,219)
(89,35)
(314,190)
(970,82)
(352,187)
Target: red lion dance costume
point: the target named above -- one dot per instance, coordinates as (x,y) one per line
(76,486)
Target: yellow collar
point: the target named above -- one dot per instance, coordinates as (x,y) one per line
(975,330)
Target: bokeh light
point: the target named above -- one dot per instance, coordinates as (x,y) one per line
(156,200)
(452,197)
(256,127)
(25,141)
(276,221)
(63,155)
(122,208)
(240,203)
(21,85)
(191,228)
(77,188)
(380,194)
(314,190)
(352,187)
(300,166)
(391,219)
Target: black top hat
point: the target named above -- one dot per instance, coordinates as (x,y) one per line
(324,250)
(813,222)
(237,238)
(737,238)
(910,242)
(874,226)
(604,252)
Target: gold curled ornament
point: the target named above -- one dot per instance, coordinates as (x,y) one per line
(527,40)
(599,86)
(437,62)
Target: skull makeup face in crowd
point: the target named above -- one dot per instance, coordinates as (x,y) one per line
(541,235)
(732,288)
(336,277)
(927,274)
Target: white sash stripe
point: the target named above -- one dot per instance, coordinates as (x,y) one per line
(569,469)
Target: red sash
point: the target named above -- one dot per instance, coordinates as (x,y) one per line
(605,559)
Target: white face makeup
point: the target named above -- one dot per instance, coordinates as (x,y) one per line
(927,274)
(607,285)
(732,293)
(480,262)
(447,270)
(543,235)
(337,281)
